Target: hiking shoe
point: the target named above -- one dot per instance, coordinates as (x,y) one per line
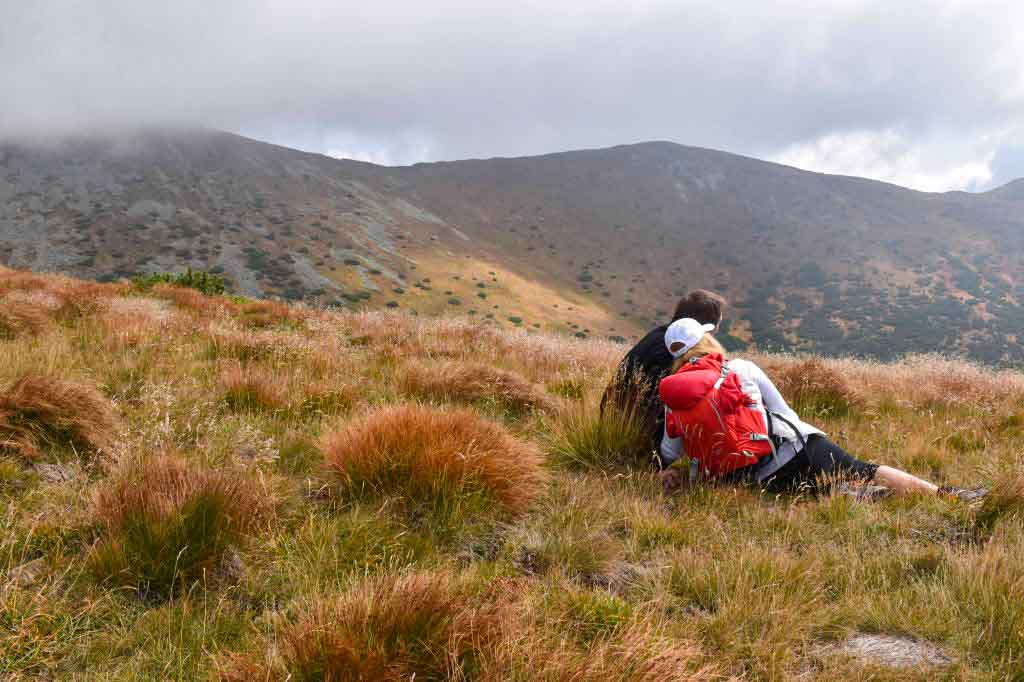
(864,493)
(968,495)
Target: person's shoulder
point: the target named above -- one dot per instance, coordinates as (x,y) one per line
(656,334)
(653,340)
(743,366)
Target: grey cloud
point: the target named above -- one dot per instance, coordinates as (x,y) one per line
(1007,165)
(409,81)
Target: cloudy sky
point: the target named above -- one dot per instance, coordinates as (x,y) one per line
(924,94)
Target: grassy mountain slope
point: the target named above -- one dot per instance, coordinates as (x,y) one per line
(596,243)
(207,486)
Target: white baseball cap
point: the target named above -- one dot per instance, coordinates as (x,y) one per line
(683,334)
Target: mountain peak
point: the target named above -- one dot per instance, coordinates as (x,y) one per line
(1011,191)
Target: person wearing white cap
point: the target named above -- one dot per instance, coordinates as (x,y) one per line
(802,457)
(633,389)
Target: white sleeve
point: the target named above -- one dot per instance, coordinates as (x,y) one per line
(773,400)
(671,448)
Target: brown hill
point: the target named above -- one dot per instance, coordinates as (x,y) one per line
(593,242)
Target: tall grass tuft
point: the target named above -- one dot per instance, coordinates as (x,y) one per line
(420,626)
(583,437)
(434,455)
(252,389)
(1005,499)
(22,318)
(190,299)
(471,382)
(266,314)
(814,387)
(40,411)
(166,524)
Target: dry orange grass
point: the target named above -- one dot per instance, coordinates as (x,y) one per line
(158,485)
(812,384)
(264,314)
(22,280)
(920,380)
(638,655)
(398,335)
(80,299)
(428,626)
(22,318)
(191,299)
(240,345)
(129,322)
(39,411)
(329,398)
(166,522)
(415,626)
(253,388)
(471,382)
(74,298)
(422,452)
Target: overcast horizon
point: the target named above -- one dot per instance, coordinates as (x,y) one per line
(926,94)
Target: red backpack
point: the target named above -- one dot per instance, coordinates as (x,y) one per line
(718,422)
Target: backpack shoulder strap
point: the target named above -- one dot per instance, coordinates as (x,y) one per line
(771,429)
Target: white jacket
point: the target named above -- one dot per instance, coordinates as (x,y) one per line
(760,388)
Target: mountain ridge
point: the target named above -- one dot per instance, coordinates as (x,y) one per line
(589,242)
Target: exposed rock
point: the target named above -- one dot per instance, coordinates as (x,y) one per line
(26,574)
(231,566)
(893,651)
(55,473)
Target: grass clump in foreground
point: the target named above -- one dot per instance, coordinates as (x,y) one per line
(419,625)
(432,626)
(433,455)
(39,411)
(166,523)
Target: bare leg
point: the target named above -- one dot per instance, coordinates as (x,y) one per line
(902,482)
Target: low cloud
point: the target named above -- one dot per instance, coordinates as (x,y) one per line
(930,165)
(928,94)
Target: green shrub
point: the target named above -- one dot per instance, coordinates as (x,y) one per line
(204,282)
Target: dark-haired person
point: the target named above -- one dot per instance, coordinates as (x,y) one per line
(801,456)
(634,388)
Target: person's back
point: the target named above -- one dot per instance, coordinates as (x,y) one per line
(634,388)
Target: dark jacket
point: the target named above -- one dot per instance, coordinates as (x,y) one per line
(634,388)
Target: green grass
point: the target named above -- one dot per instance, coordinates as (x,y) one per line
(584,438)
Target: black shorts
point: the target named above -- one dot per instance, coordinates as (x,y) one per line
(817,466)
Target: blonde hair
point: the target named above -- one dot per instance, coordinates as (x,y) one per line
(707,345)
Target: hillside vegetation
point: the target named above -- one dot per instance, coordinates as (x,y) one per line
(596,243)
(208,487)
